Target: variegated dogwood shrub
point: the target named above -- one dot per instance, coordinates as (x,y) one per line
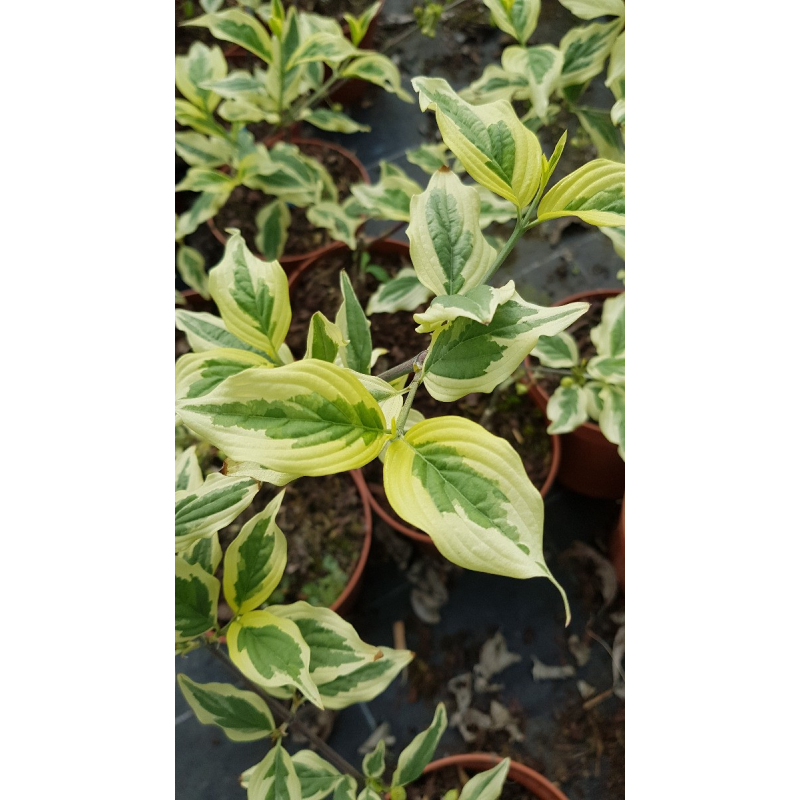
(217,105)
(277,418)
(595,387)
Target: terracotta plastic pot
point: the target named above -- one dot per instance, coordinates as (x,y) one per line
(616,547)
(536,784)
(293,261)
(590,464)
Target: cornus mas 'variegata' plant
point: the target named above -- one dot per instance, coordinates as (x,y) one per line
(218,104)
(276,418)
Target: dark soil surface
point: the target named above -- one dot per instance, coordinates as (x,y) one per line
(323,521)
(434,786)
(317,289)
(244,204)
(580,330)
(333,8)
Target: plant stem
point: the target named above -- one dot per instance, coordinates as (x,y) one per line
(403,369)
(412,390)
(519,229)
(295,112)
(287,716)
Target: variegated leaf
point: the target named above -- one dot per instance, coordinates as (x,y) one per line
(210,507)
(287,173)
(270,651)
(192,269)
(541,68)
(615,77)
(486,785)
(567,409)
(449,252)
(330,48)
(202,179)
(516,17)
(429,157)
(559,351)
(612,416)
(609,336)
(605,136)
(242,715)
(594,403)
(327,120)
(378,69)
(208,332)
(366,682)
(188,475)
(202,63)
(389,199)
(468,356)
(309,418)
(496,149)
(272,229)
(257,472)
(239,28)
(354,325)
(324,338)
(334,218)
(494,208)
(317,777)
(196,599)
(374,763)
(468,490)
(203,208)
(585,50)
(478,304)
(336,648)
(255,560)
(404,292)
(591,9)
(359,25)
(198,150)
(594,193)
(275,778)
(419,752)
(496,83)
(617,236)
(252,296)
(198,119)
(549,165)
(609,369)
(205,552)
(238,84)
(346,789)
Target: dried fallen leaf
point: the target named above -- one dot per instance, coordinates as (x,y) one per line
(381,733)
(429,593)
(503,721)
(470,720)
(543,672)
(603,568)
(580,650)
(617,656)
(495,657)
(586,689)
(461,687)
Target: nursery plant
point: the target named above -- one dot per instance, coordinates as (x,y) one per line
(278,415)
(218,105)
(591,388)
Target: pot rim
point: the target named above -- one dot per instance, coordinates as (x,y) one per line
(519,773)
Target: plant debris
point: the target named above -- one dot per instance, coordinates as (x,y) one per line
(542,672)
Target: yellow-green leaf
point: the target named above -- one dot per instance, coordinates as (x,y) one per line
(239,28)
(516,17)
(496,149)
(594,193)
(377,68)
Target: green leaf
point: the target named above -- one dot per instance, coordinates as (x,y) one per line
(252,296)
(404,292)
(605,136)
(496,149)
(378,69)
(594,193)
(478,304)
(330,48)
(196,598)
(317,777)
(188,474)
(374,763)
(429,157)
(196,374)
(449,252)
(202,63)
(309,417)
(205,552)
(324,339)
(468,490)
(255,560)
(271,652)
(243,715)
(327,120)
(541,68)
(609,369)
(389,199)
(359,25)
(203,208)
(354,325)
(609,336)
(239,28)
(208,332)
(198,150)
(419,753)
(585,50)
(496,84)
(590,9)
(612,416)
(469,356)
(335,219)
